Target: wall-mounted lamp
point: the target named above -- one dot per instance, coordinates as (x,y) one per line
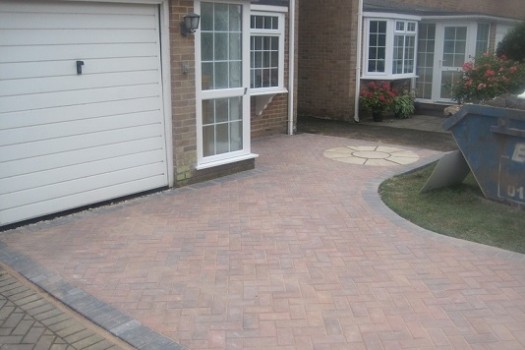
(190,24)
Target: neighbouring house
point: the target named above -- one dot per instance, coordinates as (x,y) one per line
(418,44)
(104,99)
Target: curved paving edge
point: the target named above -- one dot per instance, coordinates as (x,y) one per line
(372,197)
(103,315)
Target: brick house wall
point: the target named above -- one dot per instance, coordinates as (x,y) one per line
(327,58)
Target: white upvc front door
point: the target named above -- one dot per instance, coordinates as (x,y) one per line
(222,79)
(455,44)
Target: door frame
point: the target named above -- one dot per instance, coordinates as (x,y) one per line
(470,50)
(243,91)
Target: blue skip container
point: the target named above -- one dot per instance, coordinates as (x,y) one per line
(492,141)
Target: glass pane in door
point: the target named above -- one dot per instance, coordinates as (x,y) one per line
(425,59)
(221,48)
(455,46)
(223,97)
(222,125)
(454,55)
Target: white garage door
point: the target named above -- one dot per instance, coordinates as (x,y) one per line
(81,117)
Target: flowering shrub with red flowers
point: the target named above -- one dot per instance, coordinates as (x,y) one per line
(377,97)
(488,76)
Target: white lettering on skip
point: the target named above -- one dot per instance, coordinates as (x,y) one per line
(519,153)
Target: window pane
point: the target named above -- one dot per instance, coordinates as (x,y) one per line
(235,108)
(235,74)
(275,43)
(221,110)
(381,40)
(208,112)
(207,76)
(258,60)
(274,59)
(221,46)
(235,18)
(222,138)
(221,17)
(236,136)
(221,75)
(235,46)
(208,140)
(207,46)
(206,16)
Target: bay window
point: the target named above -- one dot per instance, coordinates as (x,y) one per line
(390,48)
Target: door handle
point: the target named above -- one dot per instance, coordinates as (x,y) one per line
(79,67)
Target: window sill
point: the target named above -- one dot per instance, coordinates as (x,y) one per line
(272,91)
(388,77)
(226,161)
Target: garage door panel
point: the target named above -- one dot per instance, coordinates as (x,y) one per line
(17,6)
(75,128)
(89,80)
(78,36)
(68,139)
(24,70)
(67,98)
(60,145)
(74,52)
(55,205)
(74,157)
(53,176)
(78,112)
(86,184)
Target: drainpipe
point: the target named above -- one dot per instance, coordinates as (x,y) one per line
(291,67)
(358,60)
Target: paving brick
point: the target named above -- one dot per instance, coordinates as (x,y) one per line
(299,255)
(21,329)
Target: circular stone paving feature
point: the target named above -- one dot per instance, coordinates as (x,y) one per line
(371,155)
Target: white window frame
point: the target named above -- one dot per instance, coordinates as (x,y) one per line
(271,11)
(391,32)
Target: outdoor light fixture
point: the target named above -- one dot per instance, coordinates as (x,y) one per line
(189,24)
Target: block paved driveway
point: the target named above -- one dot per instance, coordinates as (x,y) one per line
(299,253)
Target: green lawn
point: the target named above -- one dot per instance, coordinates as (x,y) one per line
(459,211)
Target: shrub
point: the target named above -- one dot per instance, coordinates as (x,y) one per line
(377,97)
(488,76)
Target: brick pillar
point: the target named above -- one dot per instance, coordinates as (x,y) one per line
(327,38)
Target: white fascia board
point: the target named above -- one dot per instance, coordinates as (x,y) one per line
(390,15)
(472,17)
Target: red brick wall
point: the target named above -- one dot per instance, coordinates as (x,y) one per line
(327,56)
(274,118)
(183,94)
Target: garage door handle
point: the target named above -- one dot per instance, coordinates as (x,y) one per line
(79,67)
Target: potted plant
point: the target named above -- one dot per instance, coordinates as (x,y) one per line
(403,105)
(376,98)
